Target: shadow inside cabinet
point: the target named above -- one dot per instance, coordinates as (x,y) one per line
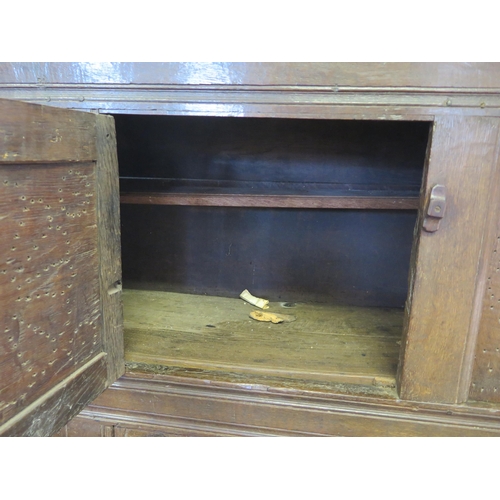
(315,216)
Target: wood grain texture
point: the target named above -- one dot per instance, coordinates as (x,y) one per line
(444,275)
(368,100)
(175,405)
(48,134)
(85,427)
(485,384)
(326,342)
(415,75)
(360,104)
(412,91)
(49,413)
(283,104)
(51,349)
(108,206)
(272,201)
(49,283)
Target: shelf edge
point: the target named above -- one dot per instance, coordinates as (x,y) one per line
(271,201)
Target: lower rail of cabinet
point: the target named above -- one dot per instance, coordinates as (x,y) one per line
(145,404)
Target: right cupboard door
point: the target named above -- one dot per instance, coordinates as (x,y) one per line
(448,268)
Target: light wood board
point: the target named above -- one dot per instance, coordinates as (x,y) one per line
(326,342)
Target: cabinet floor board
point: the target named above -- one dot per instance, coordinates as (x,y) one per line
(326,342)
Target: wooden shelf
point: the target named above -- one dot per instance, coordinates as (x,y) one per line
(272,200)
(329,343)
(268,194)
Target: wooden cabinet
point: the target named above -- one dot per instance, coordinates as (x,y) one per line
(367,214)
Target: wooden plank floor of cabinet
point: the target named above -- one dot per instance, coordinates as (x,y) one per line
(325,342)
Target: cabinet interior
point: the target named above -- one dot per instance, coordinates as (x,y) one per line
(317,216)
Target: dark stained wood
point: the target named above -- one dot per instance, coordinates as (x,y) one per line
(272,201)
(445,265)
(216,161)
(191,406)
(310,155)
(325,342)
(108,205)
(52,357)
(349,257)
(49,135)
(274,188)
(334,75)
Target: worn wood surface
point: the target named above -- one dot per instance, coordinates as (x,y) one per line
(256,104)
(148,404)
(49,280)
(85,427)
(110,275)
(414,91)
(49,413)
(51,349)
(485,385)
(392,75)
(326,342)
(421,101)
(351,257)
(48,134)
(272,201)
(379,91)
(441,326)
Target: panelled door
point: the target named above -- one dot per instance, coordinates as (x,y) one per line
(61,339)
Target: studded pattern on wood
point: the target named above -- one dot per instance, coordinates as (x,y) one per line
(48,278)
(486,375)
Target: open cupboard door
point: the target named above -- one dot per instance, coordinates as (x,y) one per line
(61,339)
